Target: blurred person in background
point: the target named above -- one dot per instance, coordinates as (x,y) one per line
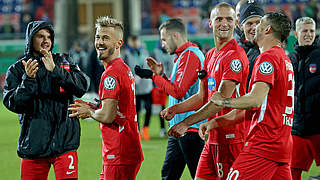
(134,54)
(306,124)
(159,97)
(182,84)
(39,87)
(121,149)
(79,56)
(226,68)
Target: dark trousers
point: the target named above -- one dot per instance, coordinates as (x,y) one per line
(147,101)
(182,151)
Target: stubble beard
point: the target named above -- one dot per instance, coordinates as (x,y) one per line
(103,56)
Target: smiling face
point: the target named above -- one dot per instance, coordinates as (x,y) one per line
(222,22)
(249,28)
(105,42)
(41,40)
(305,34)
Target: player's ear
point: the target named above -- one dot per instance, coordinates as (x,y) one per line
(268,29)
(210,24)
(296,34)
(119,44)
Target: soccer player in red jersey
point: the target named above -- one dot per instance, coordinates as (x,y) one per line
(227,70)
(267,150)
(122,154)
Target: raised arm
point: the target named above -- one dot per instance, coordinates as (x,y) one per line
(20,86)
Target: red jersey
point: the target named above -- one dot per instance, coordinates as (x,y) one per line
(187,73)
(121,144)
(229,63)
(270,131)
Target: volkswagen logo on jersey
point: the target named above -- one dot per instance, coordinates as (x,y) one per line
(266,68)
(211,84)
(312,68)
(236,65)
(110,83)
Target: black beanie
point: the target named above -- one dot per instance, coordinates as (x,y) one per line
(250,9)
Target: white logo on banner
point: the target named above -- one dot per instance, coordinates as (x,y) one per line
(110,83)
(266,68)
(236,65)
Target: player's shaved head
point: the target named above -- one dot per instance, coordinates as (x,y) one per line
(219,6)
(106,21)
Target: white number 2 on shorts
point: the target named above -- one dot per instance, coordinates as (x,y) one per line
(71,162)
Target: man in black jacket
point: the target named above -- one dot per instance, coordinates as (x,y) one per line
(39,87)
(306,124)
(249,14)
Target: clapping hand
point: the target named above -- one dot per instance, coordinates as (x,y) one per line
(47,60)
(81,109)
(31,67)
(155,67)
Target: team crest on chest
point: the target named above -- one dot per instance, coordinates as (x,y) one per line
(266,68)
(312,68)
(236,65)
(110,83)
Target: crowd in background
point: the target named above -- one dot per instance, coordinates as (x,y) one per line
(15,14)
(196,13)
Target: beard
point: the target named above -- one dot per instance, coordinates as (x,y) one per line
(107,54)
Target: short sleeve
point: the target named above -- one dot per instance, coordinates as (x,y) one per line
(111,86)
(233,69)
(264,70)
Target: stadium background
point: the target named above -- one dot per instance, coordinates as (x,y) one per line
(74,20)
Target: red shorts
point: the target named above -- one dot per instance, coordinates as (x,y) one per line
(304,151)
(249,166)
(216,160)
(120,172)
(65,167)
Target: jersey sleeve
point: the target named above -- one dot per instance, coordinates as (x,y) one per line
(233,69)
(264,70)
(186,76)
(111,86)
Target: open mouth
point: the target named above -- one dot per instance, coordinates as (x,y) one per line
(45,46)
(101,49)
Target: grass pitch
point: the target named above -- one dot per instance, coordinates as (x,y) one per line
(89,153)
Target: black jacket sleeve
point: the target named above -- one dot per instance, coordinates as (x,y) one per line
(19,89)
(74,81)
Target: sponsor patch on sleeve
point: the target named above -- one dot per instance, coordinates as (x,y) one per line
(236,65)
(110,83)
(266,68)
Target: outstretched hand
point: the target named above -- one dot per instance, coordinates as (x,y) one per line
(205,128)
(31,67)
(178,130)
(167,114)
(80,109)
(217,98)
(154,65)
(47,60)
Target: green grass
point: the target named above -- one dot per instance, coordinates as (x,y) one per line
(89,152)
